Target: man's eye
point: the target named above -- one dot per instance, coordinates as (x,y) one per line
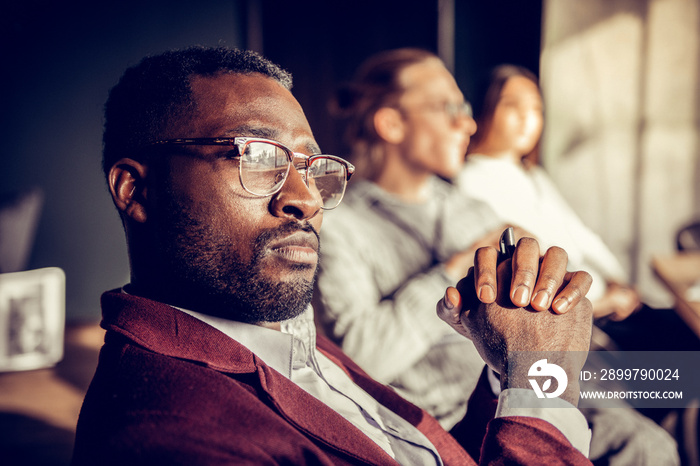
(279,177)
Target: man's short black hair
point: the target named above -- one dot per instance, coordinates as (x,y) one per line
(157,91)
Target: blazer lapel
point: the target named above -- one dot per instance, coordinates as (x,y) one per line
(166,330)
(317,420)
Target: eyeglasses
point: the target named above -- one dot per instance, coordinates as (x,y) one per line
(265,164)
(455,111)
(451,109)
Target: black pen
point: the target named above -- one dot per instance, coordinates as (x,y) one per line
(506,245)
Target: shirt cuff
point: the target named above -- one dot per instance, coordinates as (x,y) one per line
(560,413)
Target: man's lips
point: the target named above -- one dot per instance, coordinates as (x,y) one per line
(300,247)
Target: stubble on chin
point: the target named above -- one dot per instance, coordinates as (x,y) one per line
(209,273)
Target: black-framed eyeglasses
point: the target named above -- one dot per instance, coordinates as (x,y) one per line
(264,165)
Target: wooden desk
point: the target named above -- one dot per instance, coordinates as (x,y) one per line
(39,408)
(679,272)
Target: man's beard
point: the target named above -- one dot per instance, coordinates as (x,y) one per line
(209,273)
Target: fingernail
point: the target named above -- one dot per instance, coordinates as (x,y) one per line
(486,294)
(447,303)
(561,305)
(521,296)
(541,299)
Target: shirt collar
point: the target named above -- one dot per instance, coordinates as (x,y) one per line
(278,349)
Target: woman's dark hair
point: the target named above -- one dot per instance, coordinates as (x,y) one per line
(156,92)
(486,99)
(375,85)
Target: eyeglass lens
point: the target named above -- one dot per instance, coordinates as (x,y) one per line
(265,166)
(328,177)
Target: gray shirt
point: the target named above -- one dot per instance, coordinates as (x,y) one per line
(381,276)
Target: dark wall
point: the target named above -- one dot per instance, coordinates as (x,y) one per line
(490,33)
(322,43)
(59,59)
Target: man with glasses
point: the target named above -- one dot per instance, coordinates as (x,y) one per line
(210,355)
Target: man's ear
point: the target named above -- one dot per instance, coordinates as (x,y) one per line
(127,183)
(389,125)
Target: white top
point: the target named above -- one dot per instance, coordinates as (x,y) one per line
(293,353)
(529,199)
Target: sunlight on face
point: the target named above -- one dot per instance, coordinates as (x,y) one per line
(436,142)
(517,121)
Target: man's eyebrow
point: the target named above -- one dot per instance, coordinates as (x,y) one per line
(311,147)
(254,131)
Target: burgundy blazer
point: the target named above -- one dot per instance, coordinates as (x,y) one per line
(170,389)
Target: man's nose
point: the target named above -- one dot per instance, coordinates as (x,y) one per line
(466,123)
(471,126)
(295,200)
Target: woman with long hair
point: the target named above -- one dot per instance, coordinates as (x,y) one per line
(502,171)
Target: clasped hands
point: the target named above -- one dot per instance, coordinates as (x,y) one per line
(527,304)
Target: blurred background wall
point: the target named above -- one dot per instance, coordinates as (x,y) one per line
(620,79)
(622,94)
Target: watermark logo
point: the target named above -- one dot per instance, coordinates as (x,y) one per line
(542,368)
